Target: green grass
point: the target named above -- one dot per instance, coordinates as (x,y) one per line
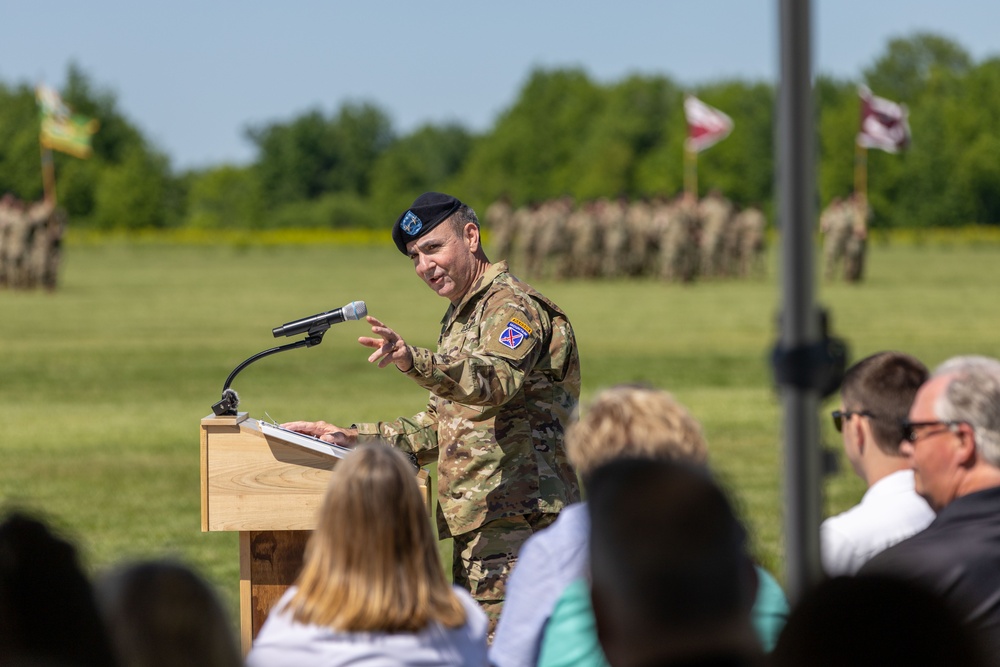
(103,383)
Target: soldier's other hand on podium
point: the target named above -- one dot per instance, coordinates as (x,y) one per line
(347,437)
(390,348)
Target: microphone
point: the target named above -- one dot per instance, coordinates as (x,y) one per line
(355,310)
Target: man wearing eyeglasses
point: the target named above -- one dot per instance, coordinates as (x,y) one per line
(876,395)
(952,438)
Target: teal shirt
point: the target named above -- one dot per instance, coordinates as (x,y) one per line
(571,639)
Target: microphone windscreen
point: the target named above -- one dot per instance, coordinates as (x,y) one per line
(355,310)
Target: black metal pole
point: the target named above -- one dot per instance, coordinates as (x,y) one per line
(800,319)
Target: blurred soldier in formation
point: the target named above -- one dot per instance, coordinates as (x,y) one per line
(552,246)
(609,239)
(523,244)
(500,222)
(835,226)
(680,228)
(614,251)
(30,243)
(587,241)
(642,243)
(579,219)
(18,229)
(858,215)
(7,214)
(748,235)
(715,212)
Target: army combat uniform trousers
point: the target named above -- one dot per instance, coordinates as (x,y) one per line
(483,558)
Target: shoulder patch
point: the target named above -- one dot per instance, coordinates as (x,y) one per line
(514,334)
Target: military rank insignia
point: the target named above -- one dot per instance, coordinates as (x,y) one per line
(411,224)
(515,332)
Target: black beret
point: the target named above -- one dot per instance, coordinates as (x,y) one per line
(426,213)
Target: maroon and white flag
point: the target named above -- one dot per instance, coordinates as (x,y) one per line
(707,125)
(883,123)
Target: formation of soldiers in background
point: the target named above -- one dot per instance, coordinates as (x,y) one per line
(30,243)
(677,239)
(844,225)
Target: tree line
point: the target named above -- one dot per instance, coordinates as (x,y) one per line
(564,135)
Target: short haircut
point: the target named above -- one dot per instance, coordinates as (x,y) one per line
(973,396)
(634,421)
(666,546)
(372,564)
(885,385)
(461,217)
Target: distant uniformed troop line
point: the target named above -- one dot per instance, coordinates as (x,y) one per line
(678,239)
(844,225)
(30,243)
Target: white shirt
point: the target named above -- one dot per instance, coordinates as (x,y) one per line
(889,512)
(283,642)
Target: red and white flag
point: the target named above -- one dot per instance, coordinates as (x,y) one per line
(707,125)
(883,123)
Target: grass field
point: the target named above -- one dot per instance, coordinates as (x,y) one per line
(103,383)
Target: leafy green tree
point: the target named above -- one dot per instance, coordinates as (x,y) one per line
(742,165)
(425,160)
(312,155)
(20,156)
(909,64)
(529,153)
(132,193)
(838,114)
(633,122)
(225,197)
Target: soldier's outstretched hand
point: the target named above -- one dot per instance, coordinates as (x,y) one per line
(390,348)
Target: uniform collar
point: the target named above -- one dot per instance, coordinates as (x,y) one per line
(485,280)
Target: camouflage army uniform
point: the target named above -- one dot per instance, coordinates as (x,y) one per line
(503,384)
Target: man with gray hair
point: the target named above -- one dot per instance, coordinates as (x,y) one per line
(952,438)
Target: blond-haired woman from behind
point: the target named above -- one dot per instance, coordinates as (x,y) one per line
(372,590)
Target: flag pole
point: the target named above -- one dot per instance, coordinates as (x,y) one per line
(48,174)
(861,174)
(691,172)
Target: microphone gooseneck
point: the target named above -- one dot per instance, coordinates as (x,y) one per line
(314,327)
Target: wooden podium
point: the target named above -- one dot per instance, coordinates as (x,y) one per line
(270,490)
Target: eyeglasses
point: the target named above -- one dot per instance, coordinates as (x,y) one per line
(910,429)
(840,416)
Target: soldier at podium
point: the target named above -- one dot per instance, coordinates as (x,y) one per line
(504,382)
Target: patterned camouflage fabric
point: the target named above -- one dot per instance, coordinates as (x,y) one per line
(503,385)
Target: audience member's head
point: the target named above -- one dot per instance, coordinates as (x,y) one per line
(953,432)
(672,580)
(874,620)
(372,564)
(47,610)
(879,390)
(629,421)
(162,614)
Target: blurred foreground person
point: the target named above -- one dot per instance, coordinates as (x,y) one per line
(372,590)
(162,614)
(872,621)
(48,615)
(548,620)
(672,582)
(952,438)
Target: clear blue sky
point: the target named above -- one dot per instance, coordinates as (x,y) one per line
(194,74)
